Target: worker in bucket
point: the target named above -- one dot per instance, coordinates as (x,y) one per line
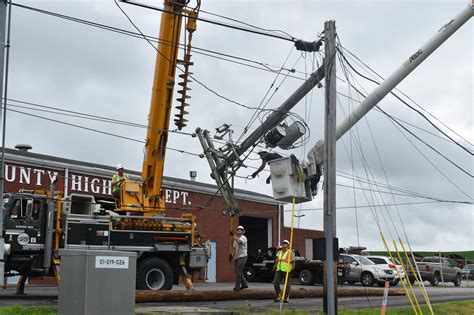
(239,257)
(283,265)
(266,157)
(117,180)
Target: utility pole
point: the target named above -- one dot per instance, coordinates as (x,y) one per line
(330,283)
(3,20)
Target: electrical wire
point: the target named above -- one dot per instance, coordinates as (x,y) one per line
(259,65)
(286,38)
(405,103)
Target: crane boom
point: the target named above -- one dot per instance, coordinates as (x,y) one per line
(146,196)
(315,155)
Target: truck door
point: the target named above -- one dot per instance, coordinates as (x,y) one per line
(448,270)
(24,224)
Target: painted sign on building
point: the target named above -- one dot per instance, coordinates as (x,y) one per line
(22,177)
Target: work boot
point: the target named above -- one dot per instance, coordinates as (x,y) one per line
(278,298)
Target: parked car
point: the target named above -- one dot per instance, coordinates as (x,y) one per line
(430,270)
(468,271)
(383,261)
(365,271)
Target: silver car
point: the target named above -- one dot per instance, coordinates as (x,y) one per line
(365,271)
(383,261)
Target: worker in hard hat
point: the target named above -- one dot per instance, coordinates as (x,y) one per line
(240,258)
(283,265)
(117,180)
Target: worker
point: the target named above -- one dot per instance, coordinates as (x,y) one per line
(34,215)
(266,157)
(239,257)
(117,180)
(282,267)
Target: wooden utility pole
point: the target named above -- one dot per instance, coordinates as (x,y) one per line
(330,283)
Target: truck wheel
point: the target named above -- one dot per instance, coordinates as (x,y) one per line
(154,274)
(249,274)
(457,280)
(306,277)
(367,279)
(435,281)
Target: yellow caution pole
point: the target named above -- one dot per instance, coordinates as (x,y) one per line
(291,252)
(405,271)
(403,284)
(417,280)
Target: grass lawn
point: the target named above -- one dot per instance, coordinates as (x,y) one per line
(19,310)
(458,308)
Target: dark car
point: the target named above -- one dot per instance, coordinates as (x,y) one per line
(468,271)
(261,266)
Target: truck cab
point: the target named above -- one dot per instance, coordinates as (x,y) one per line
(24,232)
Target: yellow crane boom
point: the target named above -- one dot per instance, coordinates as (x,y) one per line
(146,196)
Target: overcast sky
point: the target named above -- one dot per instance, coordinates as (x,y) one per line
(75,67)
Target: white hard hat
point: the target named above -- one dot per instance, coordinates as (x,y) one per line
(286,241)
(119,166)
(240,227)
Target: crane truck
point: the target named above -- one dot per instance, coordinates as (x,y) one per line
(37,225)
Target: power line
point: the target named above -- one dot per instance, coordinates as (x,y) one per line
(286,38)
(373,71)
(405,128)
(405,103)
(259,65)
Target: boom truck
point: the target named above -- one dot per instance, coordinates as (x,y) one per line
(167,247)
(292,180)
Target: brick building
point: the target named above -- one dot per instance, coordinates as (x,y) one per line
(262,215)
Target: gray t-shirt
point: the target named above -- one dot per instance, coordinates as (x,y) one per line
(241,249)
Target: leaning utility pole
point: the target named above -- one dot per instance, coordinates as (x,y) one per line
(3,19)
(330,283)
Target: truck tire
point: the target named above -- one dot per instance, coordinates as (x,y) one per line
(435,280)
(249,274)
(457,280)
(154,274)
(306,277)
(367,279)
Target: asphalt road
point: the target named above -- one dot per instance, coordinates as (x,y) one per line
(47,296)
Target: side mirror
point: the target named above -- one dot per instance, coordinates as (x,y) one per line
(355,263)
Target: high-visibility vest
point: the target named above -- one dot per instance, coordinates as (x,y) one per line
(283,264)
(116,178)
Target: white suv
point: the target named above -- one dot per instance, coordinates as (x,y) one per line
(365,271)
(383,261)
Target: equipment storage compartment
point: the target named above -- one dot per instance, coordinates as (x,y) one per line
(97,282)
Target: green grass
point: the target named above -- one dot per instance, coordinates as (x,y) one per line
(458,308)
(19,310)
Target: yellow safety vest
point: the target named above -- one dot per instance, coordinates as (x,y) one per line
(283,264)
(116,178)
